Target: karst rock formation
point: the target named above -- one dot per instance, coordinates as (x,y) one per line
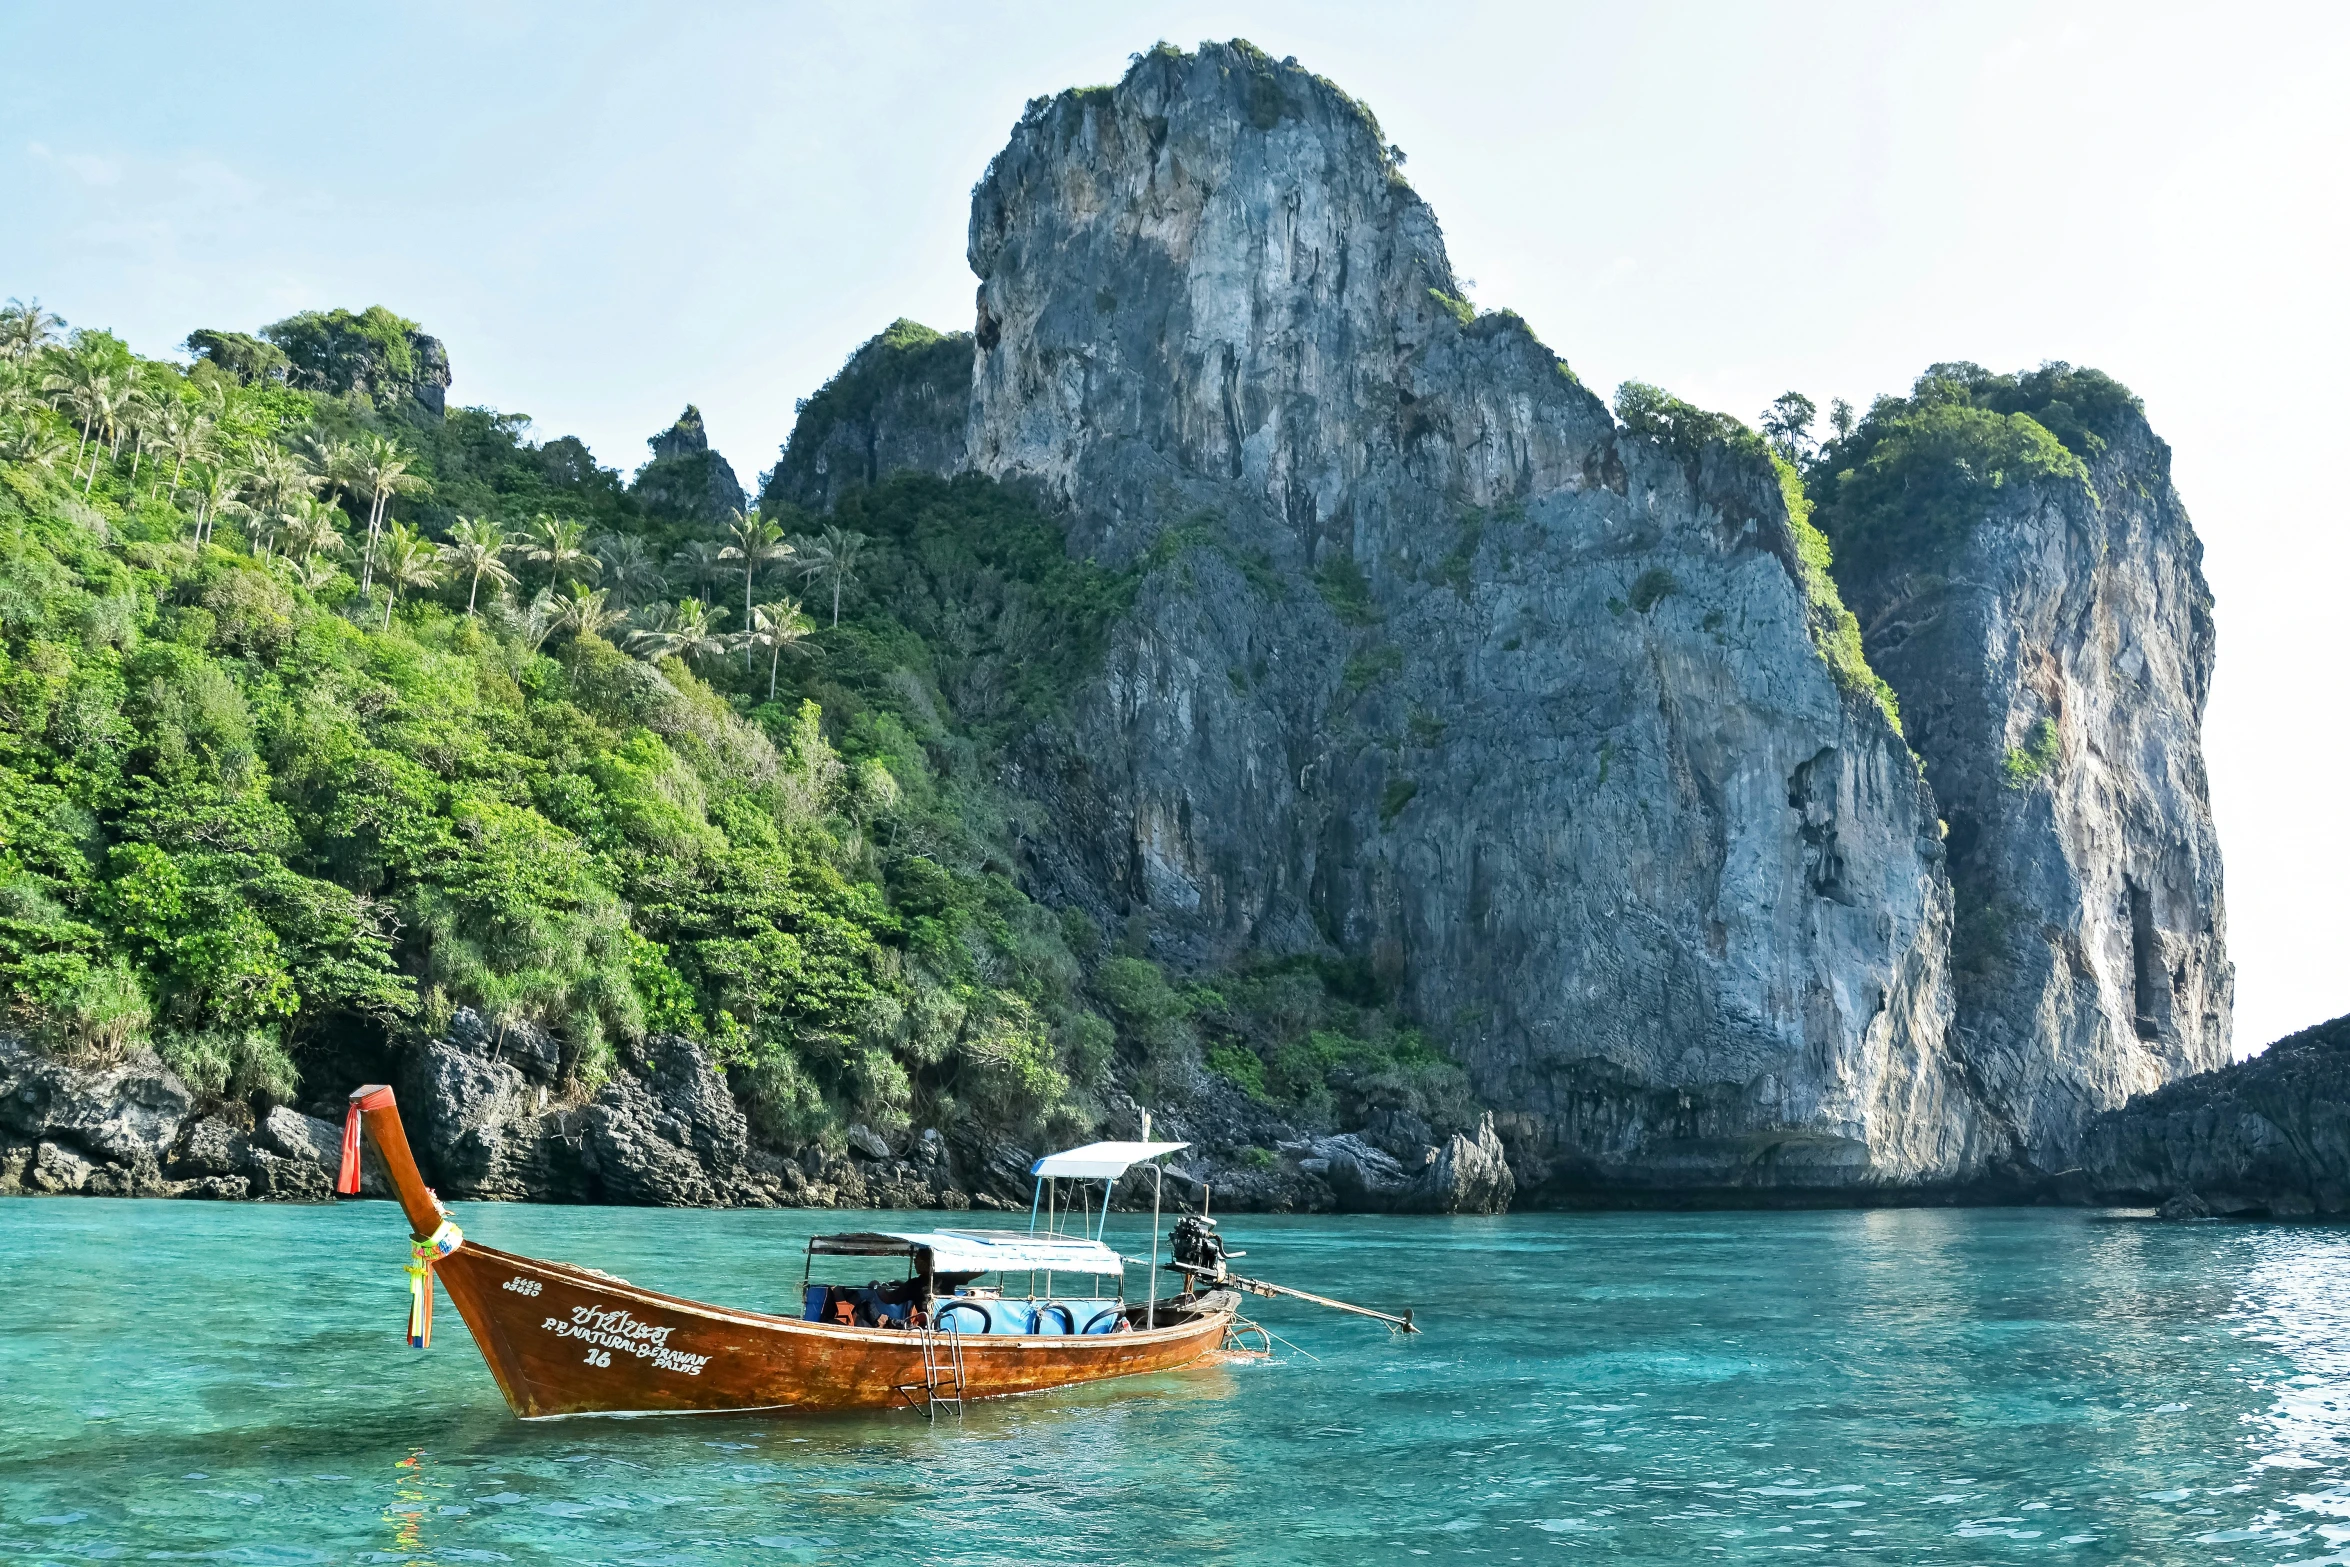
(1437,666)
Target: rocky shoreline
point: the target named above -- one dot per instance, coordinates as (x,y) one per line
(2264,1138)
(487,1124)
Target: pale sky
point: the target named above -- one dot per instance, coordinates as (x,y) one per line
(608,211)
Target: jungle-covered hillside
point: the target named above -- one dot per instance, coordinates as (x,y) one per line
(327,708)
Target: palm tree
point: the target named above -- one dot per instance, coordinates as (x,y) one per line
(629,568)
(26,440)
(214,488)
(16,386)
(831,557)
(380,469)
(476,547)
(333,461)
(756,542)
(187,435)
(538,620)
(699,563)
(26,329)
(311,528)
(314,572)
(559,544)
(585,613)
(86,391)
(776,627)
(409,562)
(279,478)
(688,629)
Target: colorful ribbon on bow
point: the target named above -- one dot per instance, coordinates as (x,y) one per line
(421,1256)
(347,1178)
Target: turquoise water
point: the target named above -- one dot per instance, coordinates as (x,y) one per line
(184,1381)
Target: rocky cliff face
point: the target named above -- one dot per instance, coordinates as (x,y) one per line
(1439,665)
(2266,1136)
(900,402)
(686,479)
(2052,662)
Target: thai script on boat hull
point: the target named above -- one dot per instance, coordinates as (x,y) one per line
(617,1330)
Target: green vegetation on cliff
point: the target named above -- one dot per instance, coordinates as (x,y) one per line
(1686,431)
(1898,491)
(322,715)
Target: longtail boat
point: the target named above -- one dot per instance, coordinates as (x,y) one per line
(562,1339)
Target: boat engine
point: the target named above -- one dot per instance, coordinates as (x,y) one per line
(1196,1242)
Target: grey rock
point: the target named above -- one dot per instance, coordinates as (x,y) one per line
(899,403)
(1362,1178)
(126,1115)
(864,1140)
(2092,939)
(475,1124)
(216,1188)
(16,1160)
(529,1049)
(207,1147)
(686,479)
(1399,1132)
(1386,690)
(1468,1175)
(669,1134)
(2267,1135)
(2186,1205)
(326,356)
(57,1169)
(288,1132)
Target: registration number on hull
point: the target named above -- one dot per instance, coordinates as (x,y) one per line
(604,1334)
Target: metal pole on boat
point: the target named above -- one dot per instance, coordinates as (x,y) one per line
(1150,1317)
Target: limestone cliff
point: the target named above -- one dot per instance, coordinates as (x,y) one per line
(1439,665)
(900,402)
(2266,1136)
(685,479)
(1435,663)
(2051,641)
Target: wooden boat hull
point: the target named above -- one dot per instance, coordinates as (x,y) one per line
(567,1341)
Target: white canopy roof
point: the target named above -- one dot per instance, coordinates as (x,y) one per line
(979,1251)
(1100,1161)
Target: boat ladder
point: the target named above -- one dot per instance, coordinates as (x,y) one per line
(942,1373)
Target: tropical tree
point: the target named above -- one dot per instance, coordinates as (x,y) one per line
(85,391)
(477,547)
(584,612)
(755,541)
(380,471)
(1786,424)
(313,528)
(278,479)
(25,439)
(697,564)
(187,435)
(777,627)
(629,568)
(314,572)
(334,462)
(831,557)
(689,629)
(26,329)
(409,562)
(214,487)
(560,545)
